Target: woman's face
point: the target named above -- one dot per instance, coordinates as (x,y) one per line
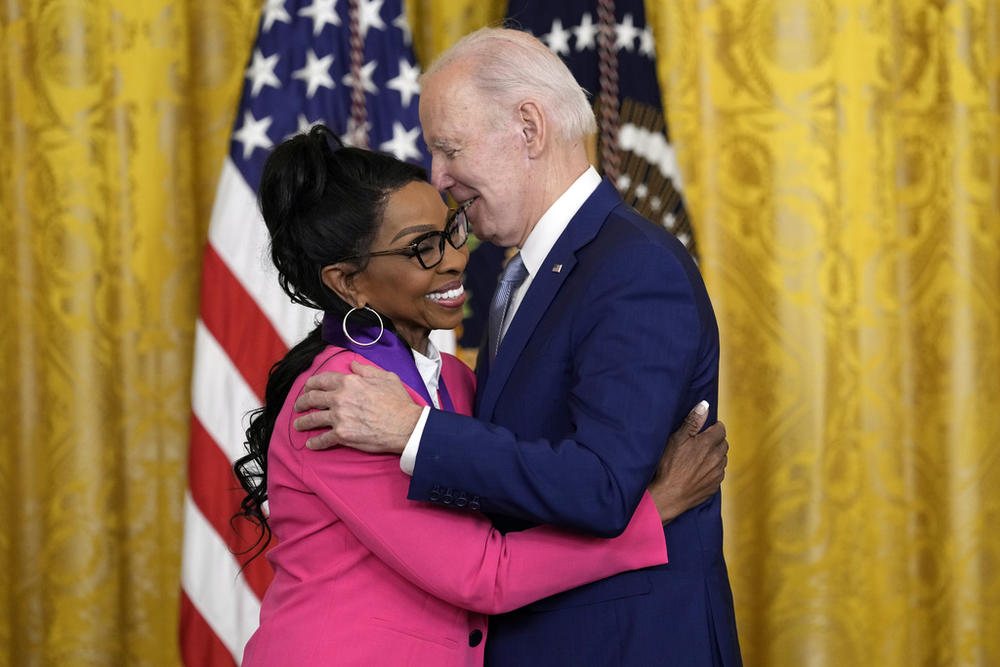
(416,299)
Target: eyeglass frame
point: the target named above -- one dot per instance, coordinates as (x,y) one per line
(445,235)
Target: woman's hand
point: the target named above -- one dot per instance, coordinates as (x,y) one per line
(692,467)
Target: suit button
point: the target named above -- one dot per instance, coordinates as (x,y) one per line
(475,637)
(462,500)
(474,504)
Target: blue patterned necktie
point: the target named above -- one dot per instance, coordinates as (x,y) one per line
(512,277)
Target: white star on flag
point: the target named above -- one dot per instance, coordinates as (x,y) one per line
(316,73)
(321,12)
(406,82)
(261,72)
(366,77)
(275,11)
(647,44)
(369,16)
(586,33)
(304,125)
(558,39)
(403,24)
(253,134)
(625,33)
(403,143)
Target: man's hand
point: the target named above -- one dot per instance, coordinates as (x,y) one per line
(369,410)
(692,467)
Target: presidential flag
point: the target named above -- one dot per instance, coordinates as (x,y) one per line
(348,64)
(611,51)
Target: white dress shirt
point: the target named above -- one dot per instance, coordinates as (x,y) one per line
(429,367)
(536,248)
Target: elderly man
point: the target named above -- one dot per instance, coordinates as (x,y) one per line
(601,338)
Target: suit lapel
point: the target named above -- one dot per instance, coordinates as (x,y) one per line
(582,228)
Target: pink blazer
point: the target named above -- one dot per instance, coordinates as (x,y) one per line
(363,576)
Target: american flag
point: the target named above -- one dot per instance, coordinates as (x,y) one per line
(348,64)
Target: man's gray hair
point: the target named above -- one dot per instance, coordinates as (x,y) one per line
(510,66)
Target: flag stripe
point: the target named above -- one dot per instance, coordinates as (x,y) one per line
(239,236)
(211,578)
(216,492)
(220,397)
(199,645)
(249,340)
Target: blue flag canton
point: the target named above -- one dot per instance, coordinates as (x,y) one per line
(299,74)
(648,175)
(569,28)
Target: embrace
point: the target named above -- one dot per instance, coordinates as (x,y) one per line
(557,507)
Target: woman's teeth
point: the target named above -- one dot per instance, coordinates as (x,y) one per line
(446,296)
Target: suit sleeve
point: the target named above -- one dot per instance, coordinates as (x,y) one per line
(461,557)
(638,338)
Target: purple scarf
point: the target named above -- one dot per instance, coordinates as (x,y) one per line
(389,353)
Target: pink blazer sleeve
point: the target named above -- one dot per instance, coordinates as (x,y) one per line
(458,556)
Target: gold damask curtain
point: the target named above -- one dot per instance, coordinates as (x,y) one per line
(841,166)
(114,119)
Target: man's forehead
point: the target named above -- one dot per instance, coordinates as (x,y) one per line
(445,125)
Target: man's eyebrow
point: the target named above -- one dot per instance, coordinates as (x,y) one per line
(412,230)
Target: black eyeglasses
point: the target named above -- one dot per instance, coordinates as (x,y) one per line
(429,248)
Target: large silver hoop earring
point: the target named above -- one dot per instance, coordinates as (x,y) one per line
(380,325)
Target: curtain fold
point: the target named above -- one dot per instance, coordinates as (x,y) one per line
(841,163)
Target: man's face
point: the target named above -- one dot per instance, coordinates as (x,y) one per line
(477,152)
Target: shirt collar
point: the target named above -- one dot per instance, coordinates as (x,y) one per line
(429,367)
(551,225)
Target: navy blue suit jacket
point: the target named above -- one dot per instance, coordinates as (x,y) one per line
(602,361)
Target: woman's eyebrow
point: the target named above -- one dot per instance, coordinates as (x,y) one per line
(413,230)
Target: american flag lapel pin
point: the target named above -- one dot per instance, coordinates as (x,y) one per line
(556,268)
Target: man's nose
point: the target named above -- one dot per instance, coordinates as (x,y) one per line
(440,178)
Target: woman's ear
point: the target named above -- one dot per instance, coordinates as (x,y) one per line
(340,278)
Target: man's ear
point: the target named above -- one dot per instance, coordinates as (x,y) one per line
(533,127)
(340,278)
